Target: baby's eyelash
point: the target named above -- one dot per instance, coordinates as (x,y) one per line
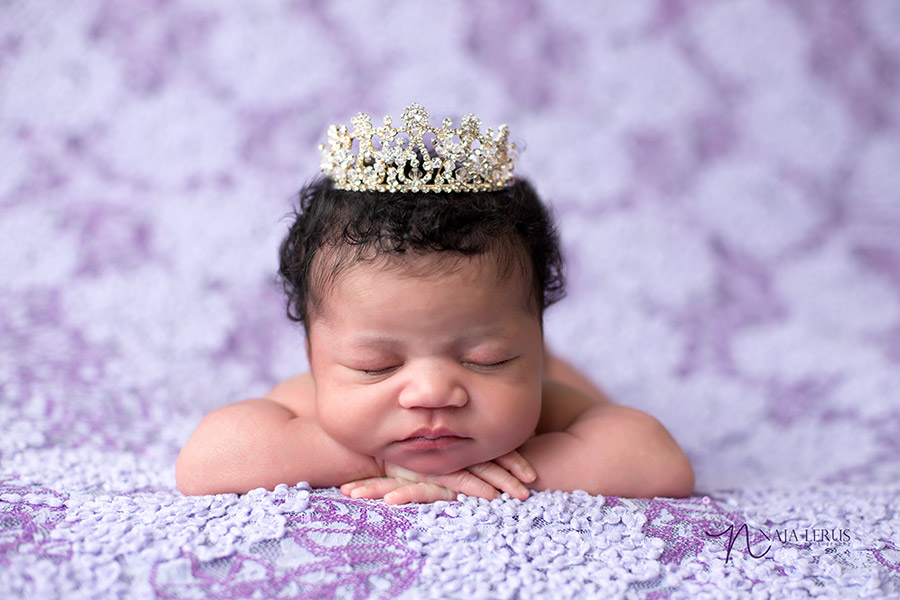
(494,365)
(377,372)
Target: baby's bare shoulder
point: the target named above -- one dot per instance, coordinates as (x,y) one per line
(561,404)
(297,394)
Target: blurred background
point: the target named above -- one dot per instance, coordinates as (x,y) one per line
(726,177)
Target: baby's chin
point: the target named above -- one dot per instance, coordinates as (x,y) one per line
(440,462)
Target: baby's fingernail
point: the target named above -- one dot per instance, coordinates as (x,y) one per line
(530,474)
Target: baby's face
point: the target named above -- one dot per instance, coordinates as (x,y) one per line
(432,364)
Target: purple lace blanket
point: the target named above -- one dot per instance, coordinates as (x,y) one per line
(726,177)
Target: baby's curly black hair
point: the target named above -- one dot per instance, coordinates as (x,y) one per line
(512,225)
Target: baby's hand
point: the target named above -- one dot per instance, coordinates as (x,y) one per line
(507,473)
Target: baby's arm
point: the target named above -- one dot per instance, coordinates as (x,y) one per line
(586,443)
(264,442)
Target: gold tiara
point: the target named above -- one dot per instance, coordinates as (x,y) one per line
(417,157)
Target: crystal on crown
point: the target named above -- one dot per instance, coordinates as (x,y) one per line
(417,157)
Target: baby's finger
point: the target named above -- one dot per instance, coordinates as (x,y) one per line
(372,488)
(421,492)
(469,483)
(392,470)
(516,464)
(352,485)
(500,478)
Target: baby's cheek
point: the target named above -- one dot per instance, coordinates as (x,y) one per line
(521,430)
(524,416)
(339,420)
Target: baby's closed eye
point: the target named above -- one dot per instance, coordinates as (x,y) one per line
(380,371)
(373,367)
(488,365)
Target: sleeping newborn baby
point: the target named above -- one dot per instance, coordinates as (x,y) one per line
(420,268)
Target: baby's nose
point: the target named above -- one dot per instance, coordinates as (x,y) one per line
(433,387)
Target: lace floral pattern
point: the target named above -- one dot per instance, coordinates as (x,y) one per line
(725,180)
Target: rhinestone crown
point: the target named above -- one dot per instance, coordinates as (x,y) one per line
(417,157)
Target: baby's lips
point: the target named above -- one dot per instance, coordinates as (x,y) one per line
(433,433)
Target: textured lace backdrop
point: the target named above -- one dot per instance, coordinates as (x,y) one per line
(726,180)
